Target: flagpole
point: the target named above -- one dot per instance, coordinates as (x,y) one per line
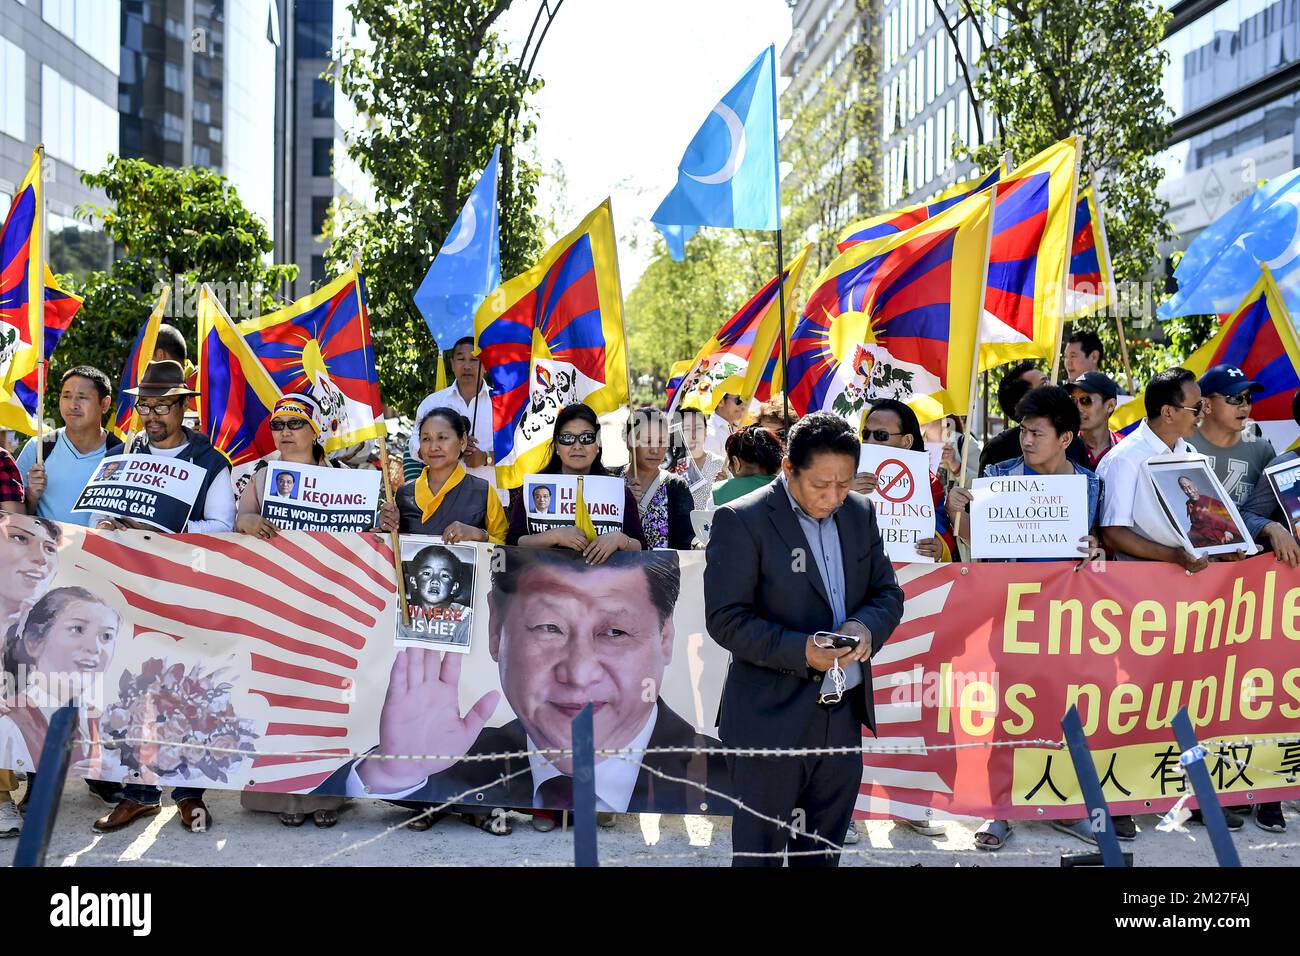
(1069,244)
(627,364)
(979,326)
(1114,292)
(394,541)
(39,305)
(780,251)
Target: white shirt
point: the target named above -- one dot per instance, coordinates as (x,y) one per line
(480,424)
(218,507)
(615,776)
(718,430)
(1130,500)
(13,746)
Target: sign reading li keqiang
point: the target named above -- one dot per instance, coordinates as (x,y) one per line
(151,489)
(311,498)
(904,504)
(1028,516)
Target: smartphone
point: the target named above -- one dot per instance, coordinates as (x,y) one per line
(836,640)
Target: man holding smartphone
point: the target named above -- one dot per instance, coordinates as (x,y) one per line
(795,569)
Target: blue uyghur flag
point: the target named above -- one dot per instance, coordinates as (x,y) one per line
(1222,263)
(728,175)
(467,267)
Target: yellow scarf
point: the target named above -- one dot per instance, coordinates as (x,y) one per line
(426,500)
(582,517)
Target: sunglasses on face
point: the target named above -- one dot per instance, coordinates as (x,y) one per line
(293,424)
(156,408)
(1194,409)
(1086,401)
(737,399)
(1244,398)
(584,438)
(880,435)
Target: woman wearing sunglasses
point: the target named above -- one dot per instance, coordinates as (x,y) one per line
(891,422)
(295,425)
(575,450)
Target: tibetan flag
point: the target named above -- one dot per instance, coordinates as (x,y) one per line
(896,317)
(1091,285)
(236,393)
(321,346)
(21,288)
(900,220)
(125,420)
(1024,302)
(19,411)
(550,337)
(736,357)
(1259,339)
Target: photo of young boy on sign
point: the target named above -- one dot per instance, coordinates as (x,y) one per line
(439,581)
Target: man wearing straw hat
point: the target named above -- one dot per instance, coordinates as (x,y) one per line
(160,402)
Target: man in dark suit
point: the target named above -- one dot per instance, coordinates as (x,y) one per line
(796,557)
(563,634)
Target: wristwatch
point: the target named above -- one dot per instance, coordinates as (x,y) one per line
(490,459)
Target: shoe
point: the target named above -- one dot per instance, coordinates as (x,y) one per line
(126,812)
(1268,816)
(109,792)
(926,827)
(1125,828)
(606,820)
(543,821)
(194,815)
(11,821)
(293,819)
(852,836)
(1080,829)
(325,818)
(1235,821)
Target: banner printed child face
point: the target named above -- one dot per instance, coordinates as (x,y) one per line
(29,557)
(79,639)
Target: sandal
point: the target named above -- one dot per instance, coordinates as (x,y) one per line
(998,833)
(325,818)
(293,819)
(498,824)
(424,820)
(1079,829)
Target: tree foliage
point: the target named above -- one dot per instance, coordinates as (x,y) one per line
(177,226)
(439,91)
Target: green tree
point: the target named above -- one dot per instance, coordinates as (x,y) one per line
(177,226)
(676,306)
(439,91)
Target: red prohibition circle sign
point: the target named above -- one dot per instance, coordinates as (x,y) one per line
(883,488)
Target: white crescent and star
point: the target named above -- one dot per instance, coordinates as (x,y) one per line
(736,152)
(464,234)
(1292,248)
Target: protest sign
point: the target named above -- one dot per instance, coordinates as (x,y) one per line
(904,504)
(1028,516)
(551,501)
(311,498)
(152,489)
(1201,512)
(1284,477)
(439,581)
(258,648)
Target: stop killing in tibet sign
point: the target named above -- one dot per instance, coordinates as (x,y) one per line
(904,505)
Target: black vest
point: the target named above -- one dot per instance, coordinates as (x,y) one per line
(466,503)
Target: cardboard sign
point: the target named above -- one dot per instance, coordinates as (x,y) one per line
(1284,477)
(904,505)
(152,489)
(552,500)
(1028,516)
(312,498)
(439,582)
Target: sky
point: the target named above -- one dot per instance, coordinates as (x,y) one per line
(628,83)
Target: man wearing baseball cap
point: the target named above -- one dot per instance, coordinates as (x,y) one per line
(1095,393)
(1239,455)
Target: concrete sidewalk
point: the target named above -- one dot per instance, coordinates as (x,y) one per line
(370,833)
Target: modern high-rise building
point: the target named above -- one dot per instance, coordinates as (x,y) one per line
(58,86)
(1233,82)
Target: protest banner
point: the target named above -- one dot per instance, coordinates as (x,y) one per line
(1028,516)
(311,498)
(152,489)
(1284,477)
(904,504)
(439,593)
(551,501)
(232,662)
